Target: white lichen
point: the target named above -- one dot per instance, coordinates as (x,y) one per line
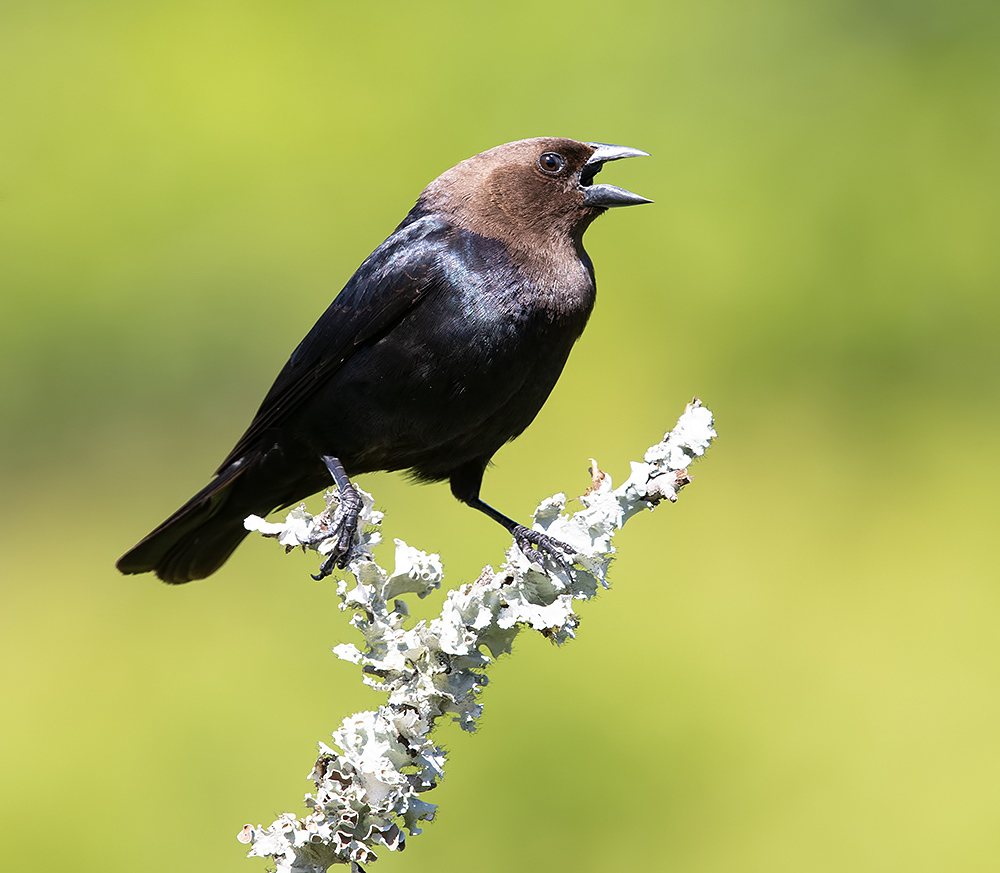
(369,791)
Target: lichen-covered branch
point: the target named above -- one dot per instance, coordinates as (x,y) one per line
(368,788)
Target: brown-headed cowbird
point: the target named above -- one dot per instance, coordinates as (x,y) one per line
(442,347)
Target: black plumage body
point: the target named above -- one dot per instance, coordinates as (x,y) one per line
(442,347)
(512,350)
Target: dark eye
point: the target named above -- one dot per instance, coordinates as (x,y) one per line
(551,162)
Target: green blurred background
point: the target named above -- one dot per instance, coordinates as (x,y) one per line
(798,666)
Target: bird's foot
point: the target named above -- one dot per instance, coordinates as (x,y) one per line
(345,527)
(544,546)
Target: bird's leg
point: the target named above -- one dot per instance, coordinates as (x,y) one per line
(526,537)
(347,519)
(465,484)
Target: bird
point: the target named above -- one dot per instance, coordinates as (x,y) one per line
(442,347)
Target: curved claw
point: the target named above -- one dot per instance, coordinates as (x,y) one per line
(345,529)
(545,546)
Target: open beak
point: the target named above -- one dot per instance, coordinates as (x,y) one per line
(608,195)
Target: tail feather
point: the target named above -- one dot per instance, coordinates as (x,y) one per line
(197,539)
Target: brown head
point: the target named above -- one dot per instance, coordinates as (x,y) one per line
(532,193)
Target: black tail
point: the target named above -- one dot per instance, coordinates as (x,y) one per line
(197,539)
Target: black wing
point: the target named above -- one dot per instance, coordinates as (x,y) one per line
(393,279)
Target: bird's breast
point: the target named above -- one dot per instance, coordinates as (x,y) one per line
(540,287)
